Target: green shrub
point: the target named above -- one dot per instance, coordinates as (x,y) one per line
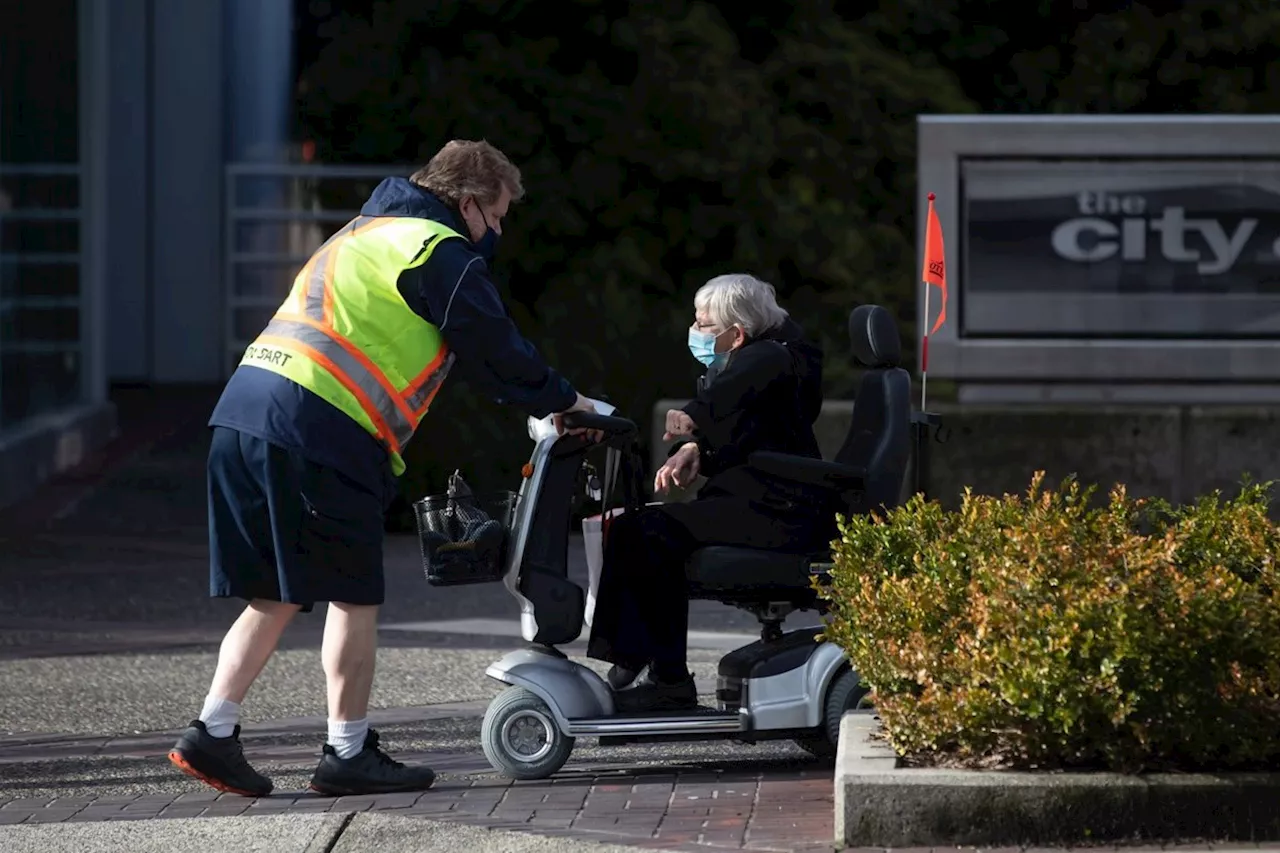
(1047,631)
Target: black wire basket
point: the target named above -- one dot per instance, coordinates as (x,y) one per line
(464,536)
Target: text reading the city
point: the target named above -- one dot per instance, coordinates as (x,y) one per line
(1090,237)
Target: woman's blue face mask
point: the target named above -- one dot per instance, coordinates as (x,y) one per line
(703,347)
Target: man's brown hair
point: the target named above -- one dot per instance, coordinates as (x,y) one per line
(464,167)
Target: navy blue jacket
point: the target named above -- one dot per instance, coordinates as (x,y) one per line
(453,291)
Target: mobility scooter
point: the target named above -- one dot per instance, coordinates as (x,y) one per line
(788,685)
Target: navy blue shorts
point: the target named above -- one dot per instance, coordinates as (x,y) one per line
(283,528)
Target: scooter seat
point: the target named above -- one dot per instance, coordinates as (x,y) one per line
(747,574)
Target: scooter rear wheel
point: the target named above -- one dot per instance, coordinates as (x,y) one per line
(845,694)
(520,737)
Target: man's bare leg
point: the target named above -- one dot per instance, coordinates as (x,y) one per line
(349,653)
(245,650)
(209,749)
(353,762)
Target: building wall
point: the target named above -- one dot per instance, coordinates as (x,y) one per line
(53,394)
(112,271)
(128,142)
(174,110)
(42,359)
(187,102)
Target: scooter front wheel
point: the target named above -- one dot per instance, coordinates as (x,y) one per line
(520,737)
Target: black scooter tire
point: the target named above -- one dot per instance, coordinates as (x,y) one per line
(517,707)
(845,693)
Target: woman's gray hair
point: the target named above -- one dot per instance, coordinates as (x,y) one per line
(741,299)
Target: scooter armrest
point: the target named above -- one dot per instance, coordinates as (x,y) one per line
(807,472)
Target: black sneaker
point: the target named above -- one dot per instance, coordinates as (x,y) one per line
(218,762)
(649,694)
(370,771)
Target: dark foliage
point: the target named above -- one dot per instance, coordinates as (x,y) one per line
(668,141)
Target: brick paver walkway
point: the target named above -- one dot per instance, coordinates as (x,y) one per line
(673,812)
(754,808)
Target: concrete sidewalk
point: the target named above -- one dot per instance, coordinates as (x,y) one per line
(352,833)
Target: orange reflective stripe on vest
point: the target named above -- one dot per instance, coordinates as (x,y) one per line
(318,303)
(319,270)
(423,388)
(307,324)
(389,413)
(353,329)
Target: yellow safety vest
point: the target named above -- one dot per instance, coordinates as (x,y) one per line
(346,334)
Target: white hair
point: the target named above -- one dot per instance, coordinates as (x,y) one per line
(740,299)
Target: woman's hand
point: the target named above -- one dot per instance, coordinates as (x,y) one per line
(680,470)
(678,424)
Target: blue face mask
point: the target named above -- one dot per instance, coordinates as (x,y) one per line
(703,347)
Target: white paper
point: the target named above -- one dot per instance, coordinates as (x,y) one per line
(593,543)
(602,407)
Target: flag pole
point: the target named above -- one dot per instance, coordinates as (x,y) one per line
(924,348)
(933,272)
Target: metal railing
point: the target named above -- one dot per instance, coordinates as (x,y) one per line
(21,285)
(276,216)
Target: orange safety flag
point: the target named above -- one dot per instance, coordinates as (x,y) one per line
(935,264)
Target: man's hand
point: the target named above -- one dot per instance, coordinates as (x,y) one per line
(582,404)
(678,424)
(680,470)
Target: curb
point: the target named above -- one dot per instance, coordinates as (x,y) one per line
(390,833)
(338,832)
(330,831)
(879,803)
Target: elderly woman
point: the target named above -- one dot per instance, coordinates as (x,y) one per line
(762,391)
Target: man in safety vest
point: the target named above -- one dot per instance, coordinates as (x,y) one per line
(308,439)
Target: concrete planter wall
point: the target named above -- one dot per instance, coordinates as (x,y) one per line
(879,803)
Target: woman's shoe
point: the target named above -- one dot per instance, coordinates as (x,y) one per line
(648,694)
(621,676)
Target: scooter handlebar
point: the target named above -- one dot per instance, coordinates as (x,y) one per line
(605,423)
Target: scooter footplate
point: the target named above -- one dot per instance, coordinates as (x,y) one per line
(697,713)
(685,721)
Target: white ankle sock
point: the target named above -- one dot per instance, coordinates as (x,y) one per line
(219,716)
(347,736)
